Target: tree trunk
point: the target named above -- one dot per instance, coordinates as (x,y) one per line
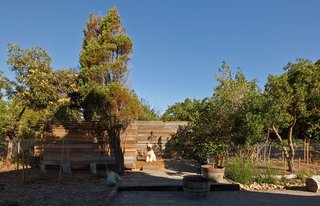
(9,150)
(114,136)
(280,142)
(291,148)
(10,133)
(289,155)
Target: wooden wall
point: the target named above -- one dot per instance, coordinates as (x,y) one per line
(88,142)
(157,133)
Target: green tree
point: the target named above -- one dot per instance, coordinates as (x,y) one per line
(188,110)
(238,107)
(147,113)
(34,85)
(66,86)
(5,114)
(5,85)
(105,96)
(233,115)
(292,96)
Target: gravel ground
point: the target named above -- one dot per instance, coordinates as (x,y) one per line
(80,188)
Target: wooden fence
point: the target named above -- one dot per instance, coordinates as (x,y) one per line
(83,143)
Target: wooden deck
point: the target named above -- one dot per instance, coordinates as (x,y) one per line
(142,165)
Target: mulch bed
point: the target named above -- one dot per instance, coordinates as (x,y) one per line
(79,188)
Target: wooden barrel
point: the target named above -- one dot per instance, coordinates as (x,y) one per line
(313,184)
(212,172)
(195,187)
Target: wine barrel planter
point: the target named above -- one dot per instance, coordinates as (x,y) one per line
(212,172)
(313,184)
(195,187)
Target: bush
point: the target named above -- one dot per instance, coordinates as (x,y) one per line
(266,176)
(240,170)
(303,175)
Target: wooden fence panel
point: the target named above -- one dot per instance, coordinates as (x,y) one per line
(88,142)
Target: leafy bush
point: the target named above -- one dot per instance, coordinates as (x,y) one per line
(240,170)
(303,175)
(266,176)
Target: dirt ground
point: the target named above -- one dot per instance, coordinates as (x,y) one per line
(80,188)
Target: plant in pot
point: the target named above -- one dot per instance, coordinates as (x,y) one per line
(214,154)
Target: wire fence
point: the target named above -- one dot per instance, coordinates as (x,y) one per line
(305,150)
(22,150)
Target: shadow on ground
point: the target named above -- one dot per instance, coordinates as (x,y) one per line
(182,165)
(221,198)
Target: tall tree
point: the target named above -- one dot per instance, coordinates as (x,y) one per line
(291,96)
(105,96)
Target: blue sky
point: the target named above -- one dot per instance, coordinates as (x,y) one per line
(178,44)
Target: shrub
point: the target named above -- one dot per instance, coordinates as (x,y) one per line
(240,170)
(303,175)
(266,175)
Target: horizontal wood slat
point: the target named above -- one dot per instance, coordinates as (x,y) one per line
(86,141)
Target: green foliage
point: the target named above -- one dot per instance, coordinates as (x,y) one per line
(147,113)
(189,110)
(34,77)
(295,93)
(303,175)
(112,104)
(26,132)
(64,113)
(266,175)
(212,150)
(240,106)
(102,92)
(233,115)
(5,85)
(6,116)
(106,50)
(240,170)
(292,102)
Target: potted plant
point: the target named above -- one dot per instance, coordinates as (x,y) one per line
(214,154)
